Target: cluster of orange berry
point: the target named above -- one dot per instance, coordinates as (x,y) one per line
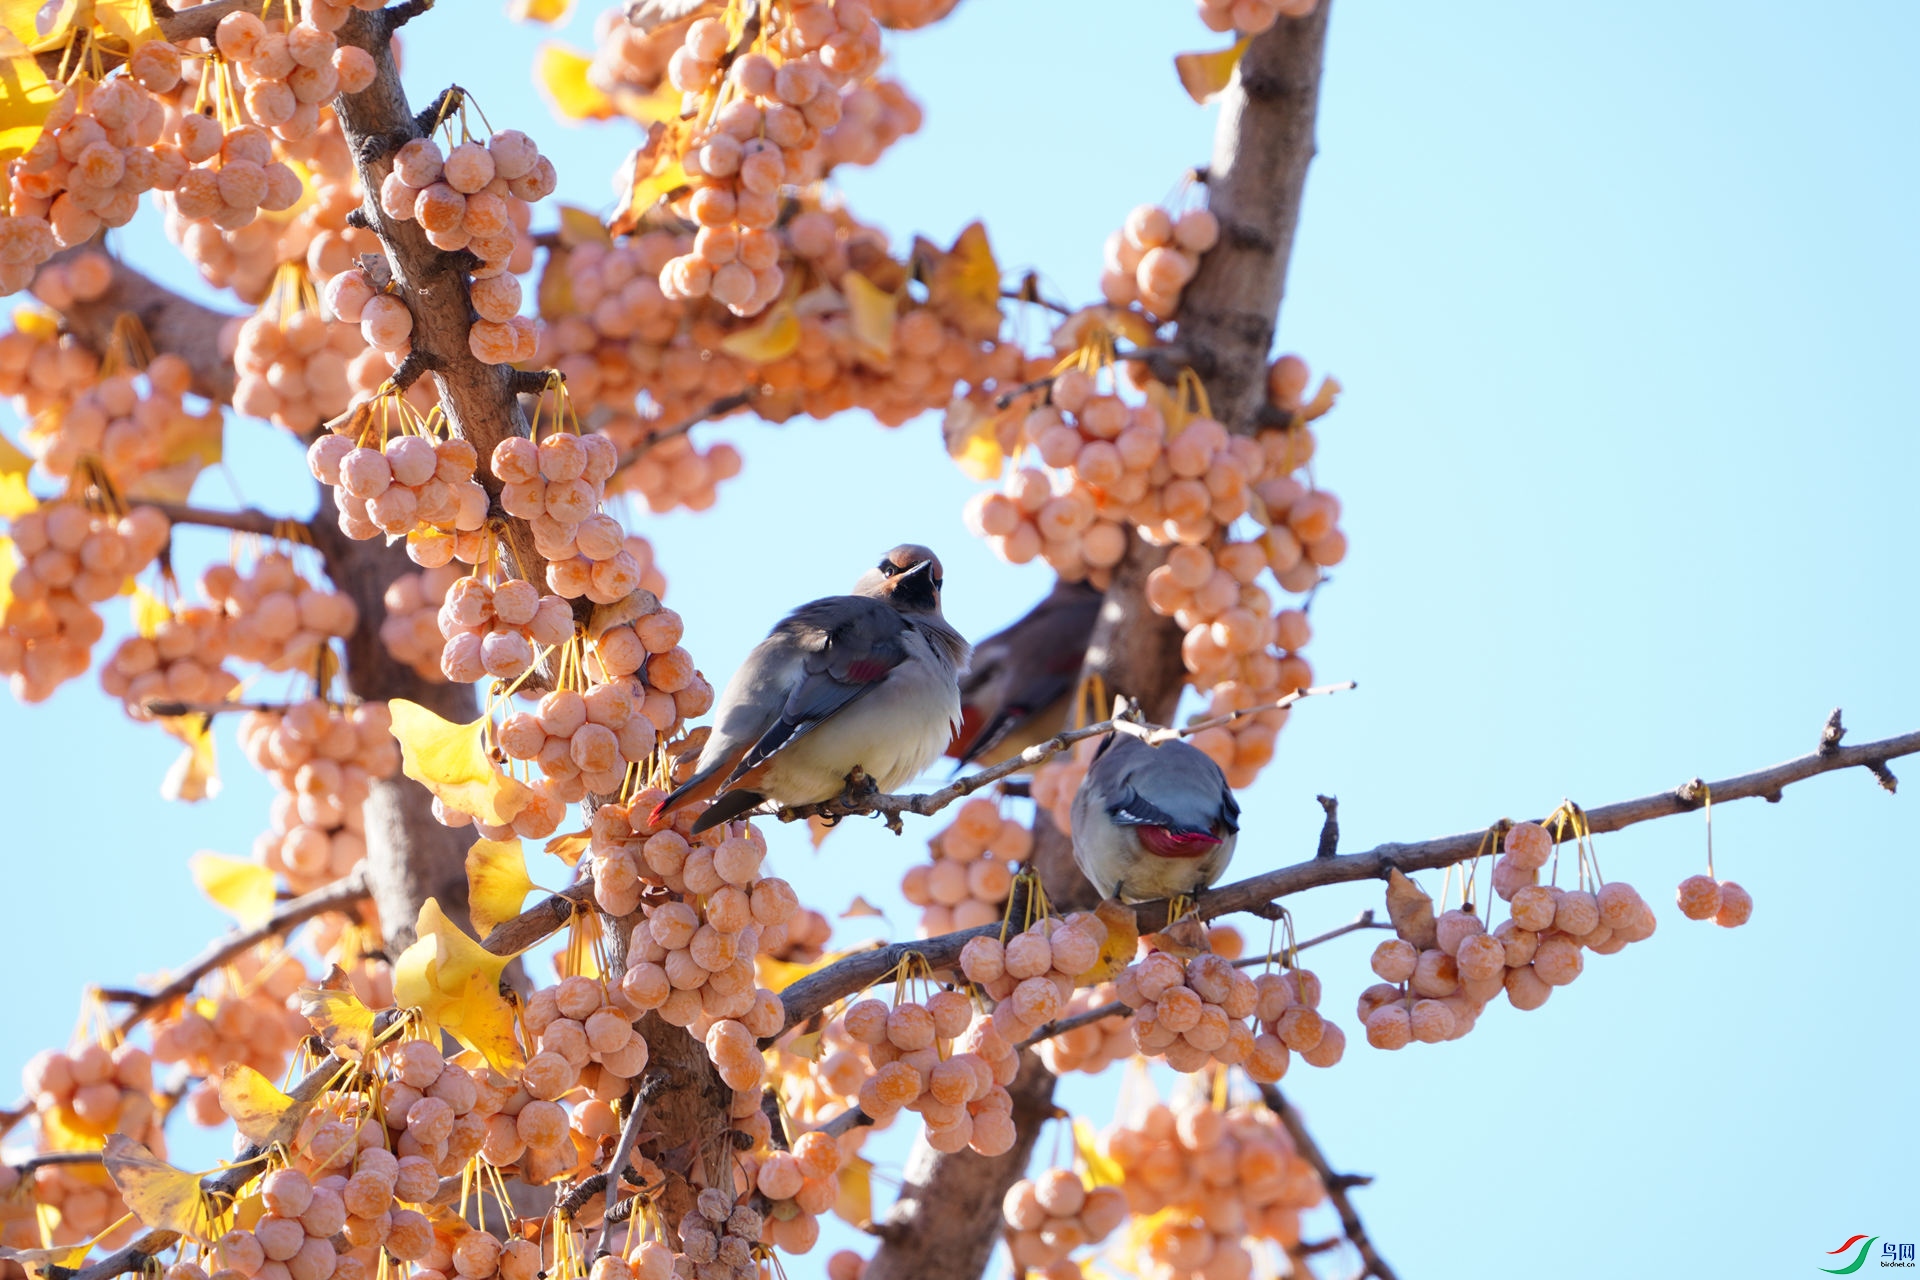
(1251,17)
(1213,1183)
(1031,975)
(246,1014)
(322,760)
(1151,258)
(73,554)
(771,105)
(1721,901)
(967,882)
(1048,1217)
(1439,975)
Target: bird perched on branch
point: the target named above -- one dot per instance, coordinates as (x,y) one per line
(867,681)
(1017,691)
(1153,821)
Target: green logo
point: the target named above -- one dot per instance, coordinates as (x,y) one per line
(1859,1258)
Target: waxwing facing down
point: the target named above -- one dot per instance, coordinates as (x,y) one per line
(868,680)
(1151,822)
(1017,690)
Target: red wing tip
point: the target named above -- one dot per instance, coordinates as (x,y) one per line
(658,811)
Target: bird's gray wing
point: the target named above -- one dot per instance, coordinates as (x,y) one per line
(850,644)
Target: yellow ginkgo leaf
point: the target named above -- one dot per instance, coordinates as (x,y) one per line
(855,1204)
(262,1114)
(343,1024)
(9,565)
(451,761)
(147,611)
(38,1260)
(658,107)
(124,25)
(965,284)
(776,334)
(248,1210)
(244,890)
(569,846)
(1204,75)
(196,774)
(163,1197)
(562,73)
(15,498)
(871,312)
(26,96)
(39,27)
(972,434)
(551,12)
(1322,402)
(657,174)
(1117,952)
(778,975)
(1102,1170)
(497,883)
(455,983)
(582,226)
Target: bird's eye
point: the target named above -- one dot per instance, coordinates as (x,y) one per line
(889,568)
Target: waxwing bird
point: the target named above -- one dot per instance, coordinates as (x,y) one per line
(869,680)
(1017,690)
(1153,821)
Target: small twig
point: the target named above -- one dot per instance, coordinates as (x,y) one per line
(396,16)
(1831,733)
(239,521)
(1337,1184)
(617,1166)
(27,1166)
(338,896)
(163,707)
(845,1122)
(444,103)
(547,916)
(718,409)
(1330,829)
(891,807)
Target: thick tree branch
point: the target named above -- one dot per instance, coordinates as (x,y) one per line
(543,919)
(855,973)
(1255,182)
(174,324)
(248,521)
(482,407)
(347,892)
(1337,1184)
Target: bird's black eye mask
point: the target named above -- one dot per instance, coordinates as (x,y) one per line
(889,569)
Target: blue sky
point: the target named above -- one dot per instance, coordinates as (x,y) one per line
(1621,296)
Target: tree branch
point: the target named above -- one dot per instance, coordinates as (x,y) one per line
(543,919)
(343,893)
(248,521)
(891,807)
(821,988)
(175,325)
(1336,1184)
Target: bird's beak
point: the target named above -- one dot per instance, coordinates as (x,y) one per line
(925,566)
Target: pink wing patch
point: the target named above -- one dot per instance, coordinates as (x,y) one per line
(1177,844)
